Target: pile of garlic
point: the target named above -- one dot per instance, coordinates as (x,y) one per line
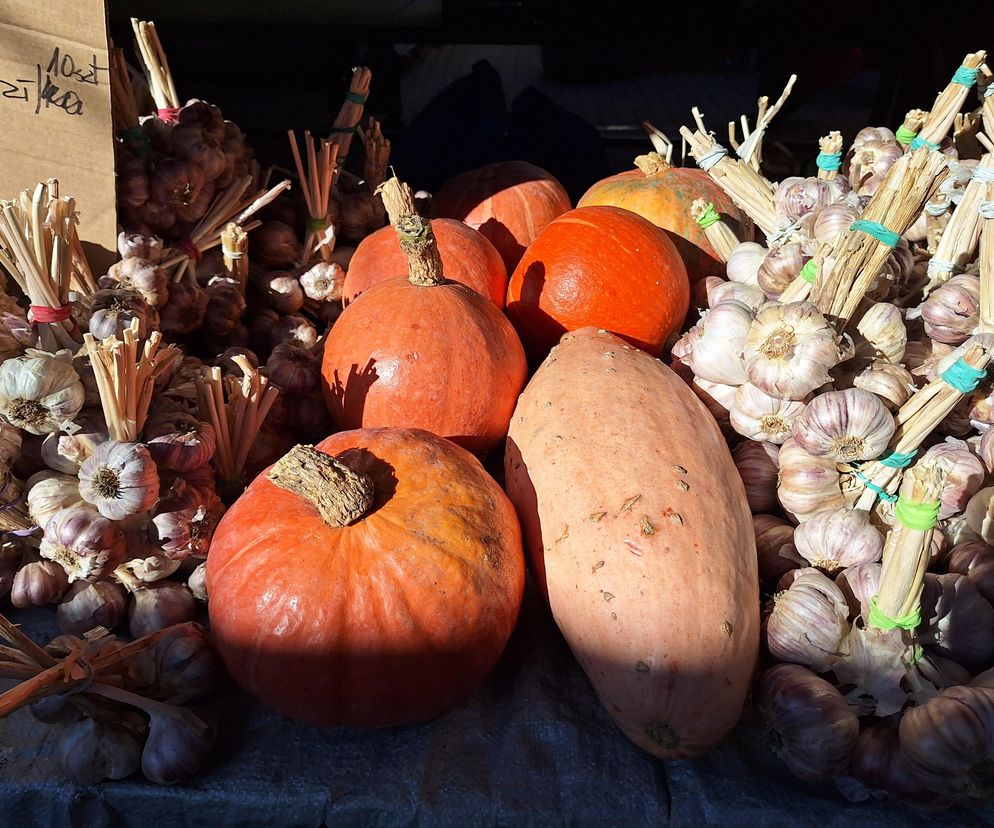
(833,423)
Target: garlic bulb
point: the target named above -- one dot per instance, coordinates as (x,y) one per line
(160,605)
(975,559)
(283,292)
(87,605)
(952,311)
(10,443)
(781,266)
(789,350)
(91,751)
(183,521)
(178,744)
(178,441)
(833,220)
(197,582)
(746,294)
(39,392)
(859,584)
(744,262)
(965,476)
(147,569)
(758,468)
(717,351)
(51,492)
(186,665)
(138,246)
(309,418)
(811,728)
(184,311)
(111,312)
(808,484)
(294,330)
(85,544)
(883,333)
(139,274)
(846,426)
(120,479)
(323,282)
(275,245)
(978,515)
(75,448)
(877,763)
(957,622)
(775,548)
(808,622)
(869,163)
(893,384)
(295,371)
(758,416)
(225,306)
(796,197)
(839,538)
(38,583)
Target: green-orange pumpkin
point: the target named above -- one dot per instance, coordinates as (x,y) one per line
(663,194)
(387,620)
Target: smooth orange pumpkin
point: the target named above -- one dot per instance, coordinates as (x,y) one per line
(600,266)
(468,257)
(663,194)
(509,202)
(423,352)
(387,620)
(638,530)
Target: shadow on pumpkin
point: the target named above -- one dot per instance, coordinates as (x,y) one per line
(538,330)
(347,399)
(510,249)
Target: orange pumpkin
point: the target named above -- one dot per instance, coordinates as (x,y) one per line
(510,202)
(663,195)
(599,266)
(467,257)
(423,352)
(371,593)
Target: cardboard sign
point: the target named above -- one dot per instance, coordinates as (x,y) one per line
(55,117)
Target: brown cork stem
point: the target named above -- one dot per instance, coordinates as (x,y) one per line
(652,163)
(341,495)
(424,264)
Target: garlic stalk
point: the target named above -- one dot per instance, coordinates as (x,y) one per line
(719,235)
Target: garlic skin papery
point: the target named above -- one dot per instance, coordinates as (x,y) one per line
(178,744)
(323,282)
(840,538)
(10,443)
(978,516)
(746,294)
(808,484)
(781,266)
(884,335)
(833,220)
(87,605)
(297,372)
(975,559)
(717,349)
(138,246)
(51,492)
(179,441)
(859,584)
(39,392)
(759,416)
(38,583)
(796,197)
(142,275)
(147,569)
(160,605)
(965,476)
(957,621)
(757,466)
(717,398)
(789,350)
(91,751)
(120,479)
(197,582)
(84,543)
(878,764)
(293,330)
(775,548)
(744,262)
(75,448)
(810,726)
(845,426)
(809,621)
(893,384)
(183,521)
(184,311)
(283,292)
(952,311)
(111,312)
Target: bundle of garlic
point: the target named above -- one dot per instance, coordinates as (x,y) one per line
(847,358)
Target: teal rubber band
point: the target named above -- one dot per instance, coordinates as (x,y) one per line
(829,161)
(344,130)
(919,517)
(878,231)
(898,459)
(904,135)
(355,97)
(809,271)
(710,217)
(920,142)
(873,487)
(963,377)
(965,76)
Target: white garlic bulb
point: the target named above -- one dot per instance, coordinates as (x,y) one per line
(39,392)
(952,311)
(846,426)
(744,262)
(838,538)
(50,492)
(780,267)
(758,416)
(796,197)
(892,383)
(717,354)
(789,350)
(747,294)
(884,333)
(808,484)
(833,220)
(979,517)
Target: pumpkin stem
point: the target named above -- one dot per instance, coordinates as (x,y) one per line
(339,493)
(424,264)
(652,163)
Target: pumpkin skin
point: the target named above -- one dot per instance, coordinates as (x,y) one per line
(467,257)
(438,357)
(664,198)
(658,597)
(599,266)
(387,621)
(509,202)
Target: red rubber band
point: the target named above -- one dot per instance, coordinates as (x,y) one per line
(44,314)
(170,114)
(190,250)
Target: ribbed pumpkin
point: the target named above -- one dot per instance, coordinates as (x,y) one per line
(638,529)
(370,592)
(510,202)
(467,257)
(599,266)
(423,352)
(663,194)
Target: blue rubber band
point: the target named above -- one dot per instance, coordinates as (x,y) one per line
(878,231)
(963,377)
(829,161)
(873,487)
(918,142)
(898,459)
(965,76)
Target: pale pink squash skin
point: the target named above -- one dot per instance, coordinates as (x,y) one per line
(661,613)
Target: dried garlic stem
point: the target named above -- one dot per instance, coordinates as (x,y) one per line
(719,235)
(123,106)
(417,240)
(377,161)
(660,142)
(340,494)
(987,260)
(14,516)
(948,103)
(153,57)
(234,246)
(911,125)
(350,114)
(751,150)
(316,181)
(986,78)
(830,147)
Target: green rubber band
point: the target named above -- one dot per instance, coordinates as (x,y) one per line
(344,130)
(917,654)
(883,494)
(963,377)
(809,271)
(883,622)
(317,225)
(829,161)
(904,135)
(355,97)
(920,142)
(919,517)
(898,459)
(965,76)
(878,231)
(710,217)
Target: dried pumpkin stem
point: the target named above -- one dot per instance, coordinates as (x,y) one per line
(417,240)
(339,493)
